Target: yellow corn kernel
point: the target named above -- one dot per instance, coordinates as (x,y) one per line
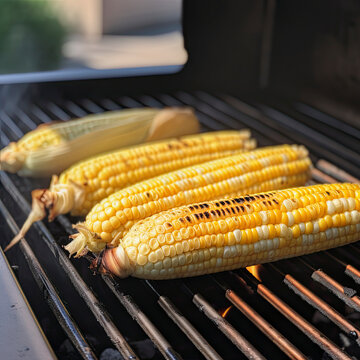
(238,174)
(239,247)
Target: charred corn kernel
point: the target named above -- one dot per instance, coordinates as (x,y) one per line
(83,185)
(239,247)
(186,186)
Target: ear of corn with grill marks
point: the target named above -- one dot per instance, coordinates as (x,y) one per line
(237,232)
(83,185)
(53,147)
(259,170)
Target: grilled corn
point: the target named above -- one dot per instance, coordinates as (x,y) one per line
(264,169)
(82,186)
(237,232)
(52,148)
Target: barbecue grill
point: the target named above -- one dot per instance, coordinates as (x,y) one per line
(300,308)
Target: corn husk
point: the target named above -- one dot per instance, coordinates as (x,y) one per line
(52,148)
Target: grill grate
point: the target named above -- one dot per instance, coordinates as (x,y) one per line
(228,315)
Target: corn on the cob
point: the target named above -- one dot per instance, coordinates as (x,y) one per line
(260,170)
(79,188)
(52,148)
(237,232)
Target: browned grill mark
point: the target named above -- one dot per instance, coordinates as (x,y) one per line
(239,200)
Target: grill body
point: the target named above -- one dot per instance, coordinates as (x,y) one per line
(252,64)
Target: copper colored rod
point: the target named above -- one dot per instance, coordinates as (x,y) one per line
(323,307)
(321,177)
(350,270)
(345,294)
(228,330)
(145,323)
(195,337)
(310,331)
(334,171)
(275,336)
(353,272)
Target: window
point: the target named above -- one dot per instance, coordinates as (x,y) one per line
(75,37)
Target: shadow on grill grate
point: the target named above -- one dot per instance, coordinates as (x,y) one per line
(301,308)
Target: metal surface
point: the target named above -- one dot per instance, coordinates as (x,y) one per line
(325,308)
(188,329)
(89,297)
(280,340)
(20,334)
(50,294)
(346,294)
(237,339)
(162,313)
(309,330)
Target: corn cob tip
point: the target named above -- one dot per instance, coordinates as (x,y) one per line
(37,213)
(167,122)
(62,198)
(58,199)
(84,241)
(114,261)
(12,158)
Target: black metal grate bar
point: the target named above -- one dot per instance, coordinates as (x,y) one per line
(154,334)
(138,315)
(303,325)
(349,270)
(180,320)
(315,301)
(60,311)
(226,328)
(212,103)
(24,118)
(264,326)
(6,119)
(90,106)
(75,109)
(109,104)
(328,120)
(281,341)
(40,114)
(93,303)
(291,132)
(58,112)
(334,171)
(215,113)
(206,122)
